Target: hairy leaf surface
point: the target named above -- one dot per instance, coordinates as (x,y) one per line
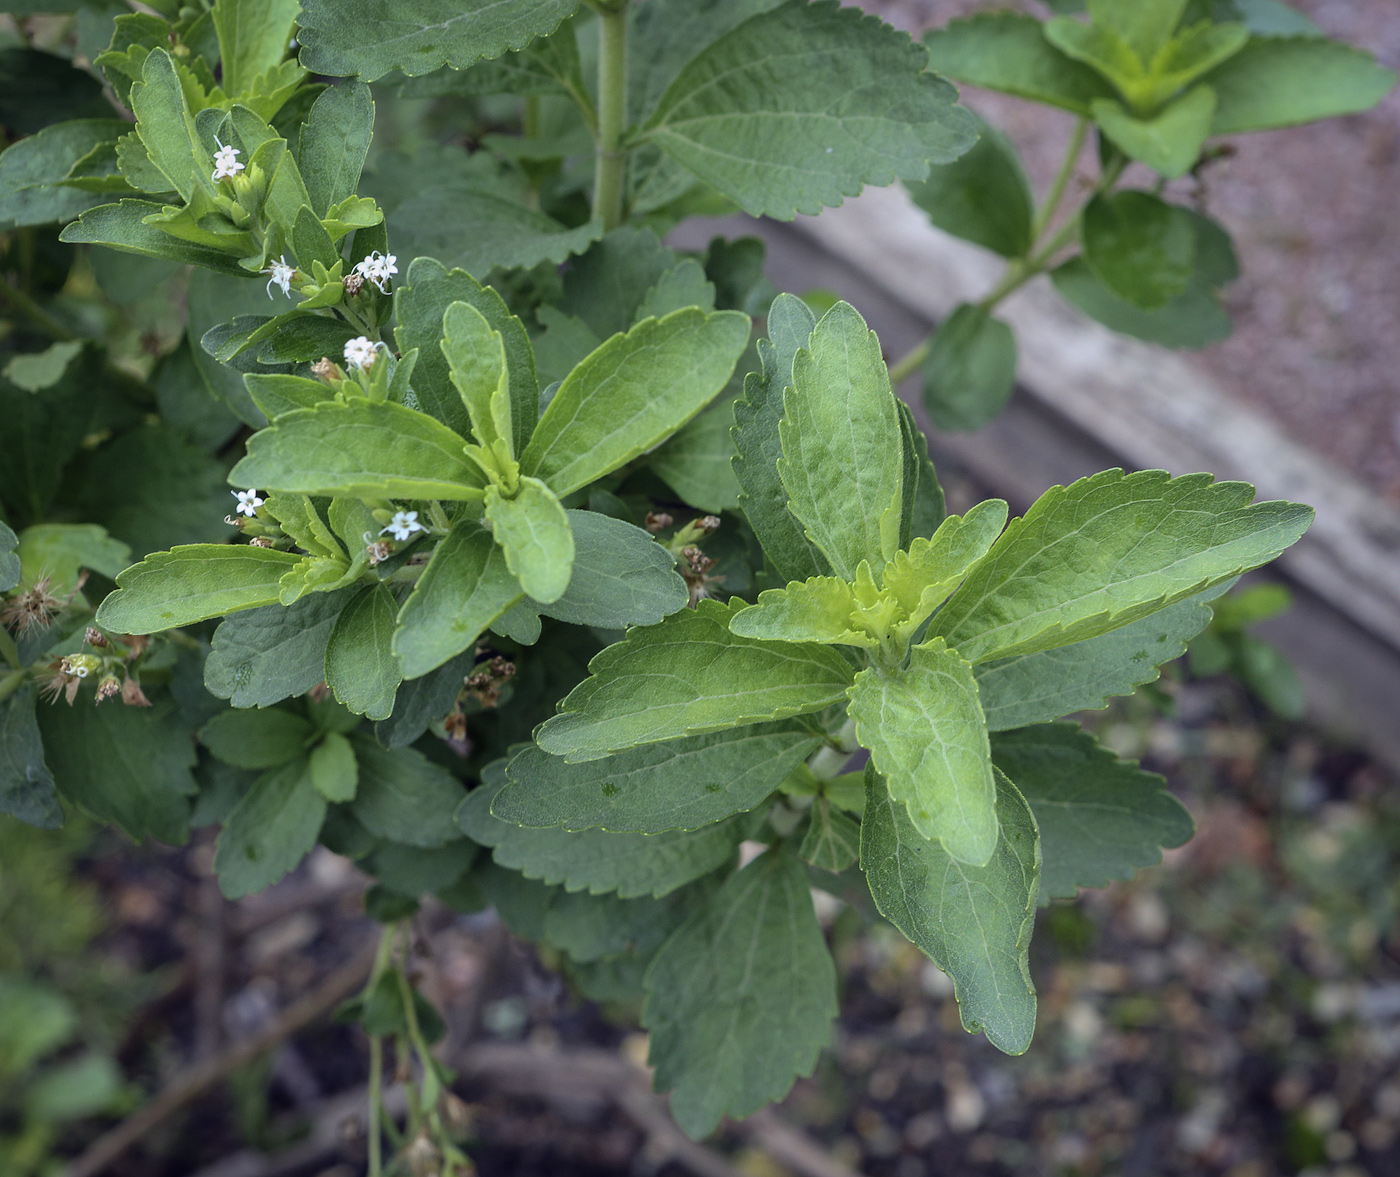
(263,656)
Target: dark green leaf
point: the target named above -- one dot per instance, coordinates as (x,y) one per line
(273,828)
(361,669)
(404,797)
(970,372)
(9,560)
(1141,248)
(974,923)
(697,462)
(30,171)
(333,768)
(832,841)
(26,786)
(38,88)
(334,141)
(741,998)
(266,655)
(423,701)
(256,738)
(123,226)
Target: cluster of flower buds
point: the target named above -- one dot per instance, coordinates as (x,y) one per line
(377,268)
(693,565)
(112,670)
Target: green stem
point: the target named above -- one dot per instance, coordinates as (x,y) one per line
(1061,182)
(9,649)
(376,1060)
(612,114)
(10,684)
(908,364)
(18,300)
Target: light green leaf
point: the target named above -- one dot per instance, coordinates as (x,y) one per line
(1106,551)
(800,106)
(1141,247)
(534,533)
(30,171)
(363,450)
(124,226)
(476,359)
(741,998)
(404,797)
(253,37)
(59,551)
(621,576)
(1032,688)
(75,1089)
(333,768)
(822,609)
(1100,818)
(334,141)
(279,393)
(1146,25)
(921,578)
(361,669)
(479,230)
(36,371)
(418,36)
(697,462)
(974,923)
(257,738)
(420,307)
(598,861)
(1170,142)
(465,587)
(633,393)
(843,447)
(832,841)
(266,655)
(926,735)
(193,583)
(1008,51)
(677,785)
(970,372)
(984,196)
(26,785)
(272,829)
(687,676)
(758,447)
(125,765)
(1284,81)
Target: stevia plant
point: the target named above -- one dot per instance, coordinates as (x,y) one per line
(548,581)
(1160,83)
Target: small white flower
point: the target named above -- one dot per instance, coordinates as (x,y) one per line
(403,525)
(248,501)
(226,163)
(282,275)
(377,268)
(360,352)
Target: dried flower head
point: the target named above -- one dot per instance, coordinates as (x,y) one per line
(657,521)
(33,608)
(133,695)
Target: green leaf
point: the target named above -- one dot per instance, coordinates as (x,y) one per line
(534,533)
(800,106)
(418,36)
(253,37)
(970,372)
(824,609)
(39,88)
(124,226)
(31,169)
(478,230)
(1106,551)
(1192,320)
(974,923)
(1100,818)
(1141,247)
(73,1090)
(1170,142)
(984,196)
(741,998)
(36,371)
(423,701)
(333,769)
(334,142)
(1008,51)
(125,765)
(921,578)
(1284,81)
(26,785)
(687,676)
(631,394)
(832,841)
(59,551)
(272,829)
(843,447)
(697,462)
(598,861)
(278,393)
(361,669)
(9,559)
(363,450)
(420,307)
(193,583)
(464,588)
(476,359)
(677,785)
(257,738)
(621,576)
(757,414)
(266,655)
(1032,688)
(926,735)
(166,125)
(404,797)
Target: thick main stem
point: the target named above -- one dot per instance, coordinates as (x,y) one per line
(610,173)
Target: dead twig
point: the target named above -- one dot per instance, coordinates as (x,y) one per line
(194,1081)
